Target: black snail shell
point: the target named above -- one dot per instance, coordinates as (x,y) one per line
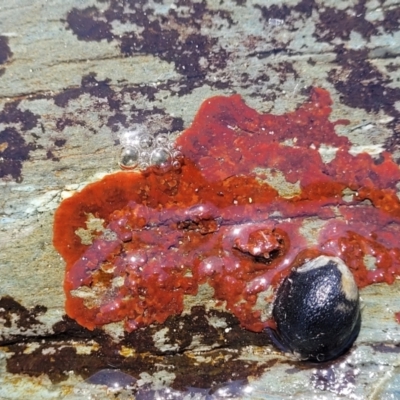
(317,310)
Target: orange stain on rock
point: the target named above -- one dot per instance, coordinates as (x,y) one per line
(217,220)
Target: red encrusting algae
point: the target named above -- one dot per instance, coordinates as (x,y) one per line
(217,221)
(397,317)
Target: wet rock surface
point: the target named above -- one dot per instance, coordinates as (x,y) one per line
(74,75)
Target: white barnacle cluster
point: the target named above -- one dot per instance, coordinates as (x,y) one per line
(141,150)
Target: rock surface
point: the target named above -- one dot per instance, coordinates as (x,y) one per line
(74,75)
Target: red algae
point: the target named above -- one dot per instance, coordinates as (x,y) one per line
(216,220)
